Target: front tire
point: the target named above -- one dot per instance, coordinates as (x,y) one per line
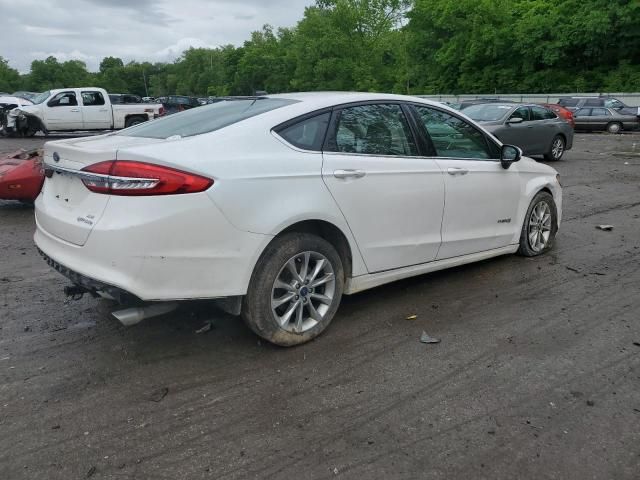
(556,150)
(540,226)
(295,289)
(614,127)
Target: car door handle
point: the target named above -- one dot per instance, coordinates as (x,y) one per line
(457,171)
(349,173)
(74,110)
(103,110)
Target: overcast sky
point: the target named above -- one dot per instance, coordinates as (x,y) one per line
(154,30)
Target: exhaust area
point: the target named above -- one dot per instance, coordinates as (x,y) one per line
(131,316)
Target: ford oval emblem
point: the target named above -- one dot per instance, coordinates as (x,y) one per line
(56,157)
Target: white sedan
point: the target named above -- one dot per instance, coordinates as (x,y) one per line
(276,206)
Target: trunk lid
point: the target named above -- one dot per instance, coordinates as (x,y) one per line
(68,210)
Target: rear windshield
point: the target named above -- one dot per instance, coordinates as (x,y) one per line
(487,112)
(205,119)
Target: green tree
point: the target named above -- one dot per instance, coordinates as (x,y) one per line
(9,77)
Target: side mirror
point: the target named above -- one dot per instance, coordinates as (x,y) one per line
(509,154)
(515,120)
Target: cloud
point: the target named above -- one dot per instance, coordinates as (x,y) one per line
(154,30)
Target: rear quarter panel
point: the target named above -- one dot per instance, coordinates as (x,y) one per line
(262,186)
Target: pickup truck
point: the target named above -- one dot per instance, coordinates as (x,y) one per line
(69,109)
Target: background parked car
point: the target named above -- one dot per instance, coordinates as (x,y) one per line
(576,103)
(178,103)
(21,175)
(561,112)
(535,129)
(27,95)
(124,98)
(479,101)
(8,103)
(600,119)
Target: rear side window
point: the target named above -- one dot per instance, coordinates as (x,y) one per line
(307,134)
(600,112)
(539,113)
(92,98)
(583,112)
(206,119)
(377,129)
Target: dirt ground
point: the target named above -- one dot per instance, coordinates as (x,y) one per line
(537,375)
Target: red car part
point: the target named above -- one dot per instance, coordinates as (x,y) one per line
(562,113)
(21,175)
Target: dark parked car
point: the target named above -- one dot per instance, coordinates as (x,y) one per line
(535,129)
(600,119)
(178,103)
(576,103)
(123,98)
(479,101)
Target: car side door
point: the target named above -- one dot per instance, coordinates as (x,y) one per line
(482,198)
(391,195)
(582,117)
(62,112)
(96,114)
(545,128)
(518,134)
(600,118)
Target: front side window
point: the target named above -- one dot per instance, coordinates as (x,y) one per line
(452,136)
(63,99)
(521,112)
(377,129)
(307,134)
(206,119)
(92,98)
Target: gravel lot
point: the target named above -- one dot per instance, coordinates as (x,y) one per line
(537,375)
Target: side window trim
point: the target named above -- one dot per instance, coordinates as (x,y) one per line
(492,147)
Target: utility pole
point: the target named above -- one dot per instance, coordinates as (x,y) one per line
(144,77)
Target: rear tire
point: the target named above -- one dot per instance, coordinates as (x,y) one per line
(540,226)
(131,121)
(556,150)
(288,308)
(614,127)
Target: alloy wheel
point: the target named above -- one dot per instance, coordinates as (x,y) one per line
(539,231)
(557,149)
(303,292)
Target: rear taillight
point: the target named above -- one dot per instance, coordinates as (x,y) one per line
(161,111)
(124,177)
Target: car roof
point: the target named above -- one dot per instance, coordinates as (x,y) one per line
(319,100)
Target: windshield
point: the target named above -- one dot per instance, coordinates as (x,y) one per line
(487,112)
(41,97)
(205,119)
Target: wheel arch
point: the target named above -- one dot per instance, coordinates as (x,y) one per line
(329,232)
